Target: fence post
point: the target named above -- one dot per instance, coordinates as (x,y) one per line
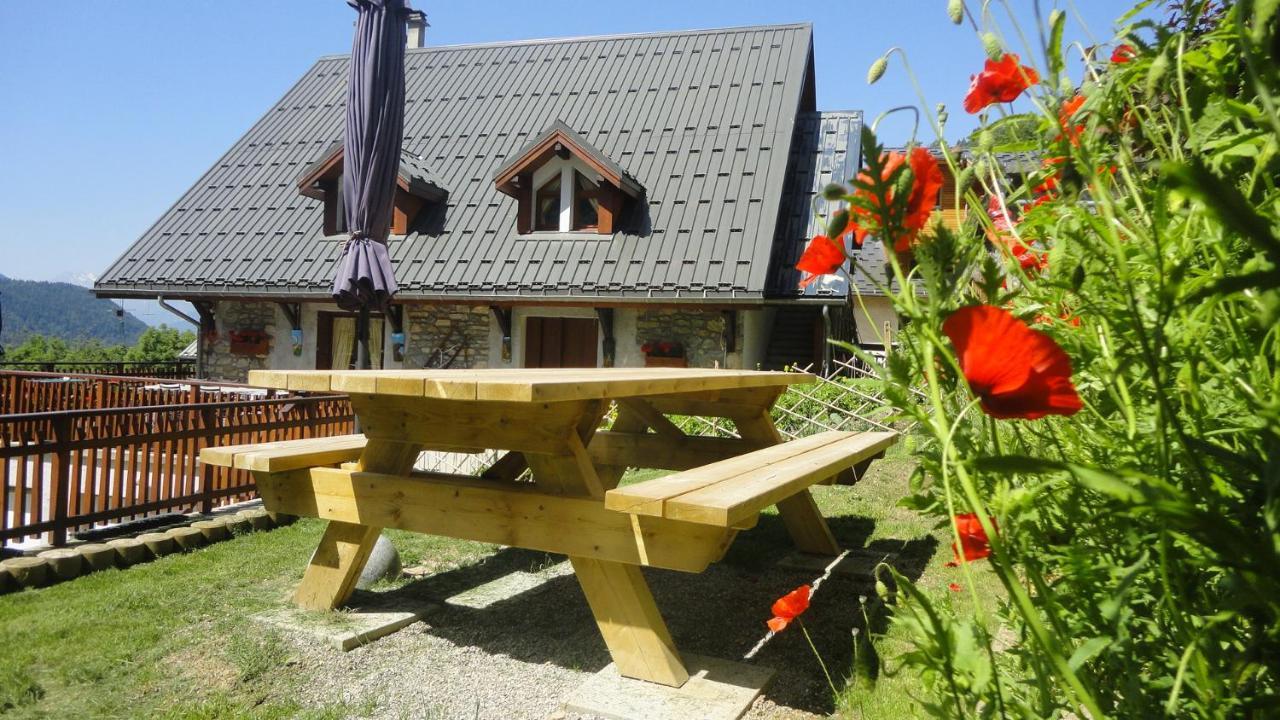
(60,482)
(207,421)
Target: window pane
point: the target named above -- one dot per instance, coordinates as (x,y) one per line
(547,204)
(586,208)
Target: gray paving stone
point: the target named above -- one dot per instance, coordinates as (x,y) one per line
(366,617)
(716,690)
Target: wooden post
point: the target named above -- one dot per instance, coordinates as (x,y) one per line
(60,482)
(335,566)
(620,600)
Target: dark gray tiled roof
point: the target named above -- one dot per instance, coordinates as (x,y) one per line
(827,149)
(703,120)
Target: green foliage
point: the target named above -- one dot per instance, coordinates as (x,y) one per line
(1138,540)
(156,344)
(18,688)
(61,310)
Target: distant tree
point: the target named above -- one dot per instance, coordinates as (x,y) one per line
(159,344)
(1011,134)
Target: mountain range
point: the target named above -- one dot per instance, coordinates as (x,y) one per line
(63,310)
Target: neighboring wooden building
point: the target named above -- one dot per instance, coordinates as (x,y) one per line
(560,203)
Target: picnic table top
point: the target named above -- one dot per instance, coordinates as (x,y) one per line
(525,385)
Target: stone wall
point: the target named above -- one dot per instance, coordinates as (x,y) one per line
(436,333)
(219,363)
(701,334)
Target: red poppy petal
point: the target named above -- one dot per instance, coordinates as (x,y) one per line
(778,624)
(953,587)
(793,603)
(1016,371)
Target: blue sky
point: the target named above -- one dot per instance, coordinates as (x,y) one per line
(113,109)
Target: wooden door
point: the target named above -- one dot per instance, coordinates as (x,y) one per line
(551,342)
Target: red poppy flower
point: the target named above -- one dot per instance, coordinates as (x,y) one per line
(1073,131)
(788,608)
(973,539)
(1015,371)
(1000,81)
(1123,53)
(926,183)
(999,218)
(823,256)
(953,587)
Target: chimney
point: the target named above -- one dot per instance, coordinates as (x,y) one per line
(417,26)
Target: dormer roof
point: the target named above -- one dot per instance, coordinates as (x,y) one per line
(559,137)
(414,177)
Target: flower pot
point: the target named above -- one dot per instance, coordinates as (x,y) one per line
(676,362)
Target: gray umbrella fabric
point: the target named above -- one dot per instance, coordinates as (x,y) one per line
(371,155)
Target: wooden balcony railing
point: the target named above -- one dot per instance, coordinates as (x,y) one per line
(171,369)
(67,468)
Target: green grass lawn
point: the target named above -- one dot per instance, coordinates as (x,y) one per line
(170,639)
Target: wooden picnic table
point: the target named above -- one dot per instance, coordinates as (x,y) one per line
(548,420)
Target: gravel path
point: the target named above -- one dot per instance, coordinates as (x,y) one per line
(520,656)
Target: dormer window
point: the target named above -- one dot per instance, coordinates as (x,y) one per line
(563,184)
(415,188)
(546,205)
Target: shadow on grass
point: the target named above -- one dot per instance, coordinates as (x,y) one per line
(718,613)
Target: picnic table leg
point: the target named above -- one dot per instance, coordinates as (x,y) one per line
(809,531)
(629,620)
(619,597)
(344,548)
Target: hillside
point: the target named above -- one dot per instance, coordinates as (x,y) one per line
(61,310)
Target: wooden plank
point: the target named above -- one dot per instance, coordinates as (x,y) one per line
(651,417)
(629,620)
(506,468)
(717,403)
(646,450)
(514,514)
(808,529)
(344,548)
(524,427)
(320,451)
(226,455)
(735,499)
(526,385)
(650,497)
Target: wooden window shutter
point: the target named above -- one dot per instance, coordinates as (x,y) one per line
(610,208)
(524,205)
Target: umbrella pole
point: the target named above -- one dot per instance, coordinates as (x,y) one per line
(363,360)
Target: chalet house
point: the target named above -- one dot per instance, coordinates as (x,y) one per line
(602,201)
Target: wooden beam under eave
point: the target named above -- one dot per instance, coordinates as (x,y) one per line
(495,512)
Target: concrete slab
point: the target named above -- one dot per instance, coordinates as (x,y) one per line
(507,586)
(858,564)
(717,690)
(366,617)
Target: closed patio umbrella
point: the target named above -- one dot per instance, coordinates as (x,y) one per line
(371,158)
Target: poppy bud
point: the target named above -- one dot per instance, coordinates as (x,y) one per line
(837,224)
(955,11)
(991,44)
(882,590)
(833,192)
(964,180)
(877,70)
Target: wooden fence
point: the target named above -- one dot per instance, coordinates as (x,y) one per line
(170,369)
(66,469)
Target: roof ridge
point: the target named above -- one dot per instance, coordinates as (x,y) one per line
(581,38)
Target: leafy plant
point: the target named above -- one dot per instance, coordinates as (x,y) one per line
(1099,348)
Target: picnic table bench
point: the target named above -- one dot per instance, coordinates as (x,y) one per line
(548,422)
